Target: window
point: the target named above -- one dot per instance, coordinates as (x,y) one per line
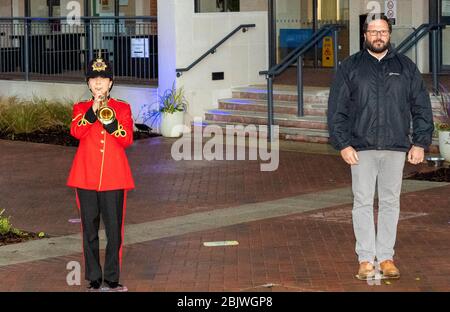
(204,6)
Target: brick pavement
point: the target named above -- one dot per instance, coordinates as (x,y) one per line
(164,188)
(300,252)
(294,253)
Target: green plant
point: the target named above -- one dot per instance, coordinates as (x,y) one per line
(5,224)
(21,116)
(444,101)
(7,228)
(18,116)
(171,101)
(55,114)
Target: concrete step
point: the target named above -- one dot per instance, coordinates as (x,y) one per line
(285,133)
(249,107)
(283,93)
(312,95)
(260,118)
(281,107)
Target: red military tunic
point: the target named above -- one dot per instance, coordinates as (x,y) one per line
(100,163)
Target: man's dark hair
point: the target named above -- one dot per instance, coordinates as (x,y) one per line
(373,17)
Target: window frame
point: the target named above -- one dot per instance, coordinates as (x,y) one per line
(227,4)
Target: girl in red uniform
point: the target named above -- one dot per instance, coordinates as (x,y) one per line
(101,175)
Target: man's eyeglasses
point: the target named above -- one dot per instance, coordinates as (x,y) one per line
(373,33)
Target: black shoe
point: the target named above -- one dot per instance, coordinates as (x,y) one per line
(112,285)
(115,286)
(95,285)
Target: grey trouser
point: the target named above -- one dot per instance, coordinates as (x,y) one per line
(387,168)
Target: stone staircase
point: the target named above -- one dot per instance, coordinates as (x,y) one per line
(249,107)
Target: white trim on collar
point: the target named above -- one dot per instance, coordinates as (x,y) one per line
(378,58)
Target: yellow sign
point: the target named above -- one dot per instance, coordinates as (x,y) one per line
(327,52)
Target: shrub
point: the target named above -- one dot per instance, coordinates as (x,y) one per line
(19,116)
(171,101)
(5,224)
(444,100)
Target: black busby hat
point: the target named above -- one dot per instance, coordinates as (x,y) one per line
(99,68)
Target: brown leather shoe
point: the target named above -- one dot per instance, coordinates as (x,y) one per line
(366,271)
(389,270)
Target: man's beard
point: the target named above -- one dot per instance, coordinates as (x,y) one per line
(376,49)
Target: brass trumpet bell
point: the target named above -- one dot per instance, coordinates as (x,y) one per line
(105,114)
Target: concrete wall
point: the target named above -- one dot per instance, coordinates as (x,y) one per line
(18,8)
(5,8)
(5,29)
(39,8)
(410,14)
(138,97)
(130,8)
(153,7)
(185,35)
(253,5)
(145,7)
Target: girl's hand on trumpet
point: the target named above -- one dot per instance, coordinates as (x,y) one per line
(98,98)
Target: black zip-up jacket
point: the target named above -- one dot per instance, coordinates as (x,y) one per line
(372,103)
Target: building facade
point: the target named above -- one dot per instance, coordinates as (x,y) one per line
(186,29)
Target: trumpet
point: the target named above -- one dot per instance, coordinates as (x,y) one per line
(105,114)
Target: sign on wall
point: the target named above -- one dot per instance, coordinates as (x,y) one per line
(327,52)
(139,47)
(390,9)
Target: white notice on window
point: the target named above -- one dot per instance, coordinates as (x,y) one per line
(445,8)
(139,47)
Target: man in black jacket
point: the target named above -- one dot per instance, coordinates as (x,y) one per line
(375,95)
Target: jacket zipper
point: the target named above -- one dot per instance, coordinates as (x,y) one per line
(378,108)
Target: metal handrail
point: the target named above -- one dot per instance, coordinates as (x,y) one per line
(415,37)
(244,28)
(410,37)
(292,57)
(296,56)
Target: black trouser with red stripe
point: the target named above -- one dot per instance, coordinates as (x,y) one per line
(110,205)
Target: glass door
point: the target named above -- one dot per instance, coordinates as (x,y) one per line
(297,20)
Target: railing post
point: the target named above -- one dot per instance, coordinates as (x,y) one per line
(272,33)
(269,107)
(26,47)
(300,111)
(87,41)
(434,62)
(91,41)
(314,26)
(336,46)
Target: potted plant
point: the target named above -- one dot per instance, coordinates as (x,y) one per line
(443,125)
(172,105)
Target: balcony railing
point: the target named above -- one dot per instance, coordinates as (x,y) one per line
(58,49)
